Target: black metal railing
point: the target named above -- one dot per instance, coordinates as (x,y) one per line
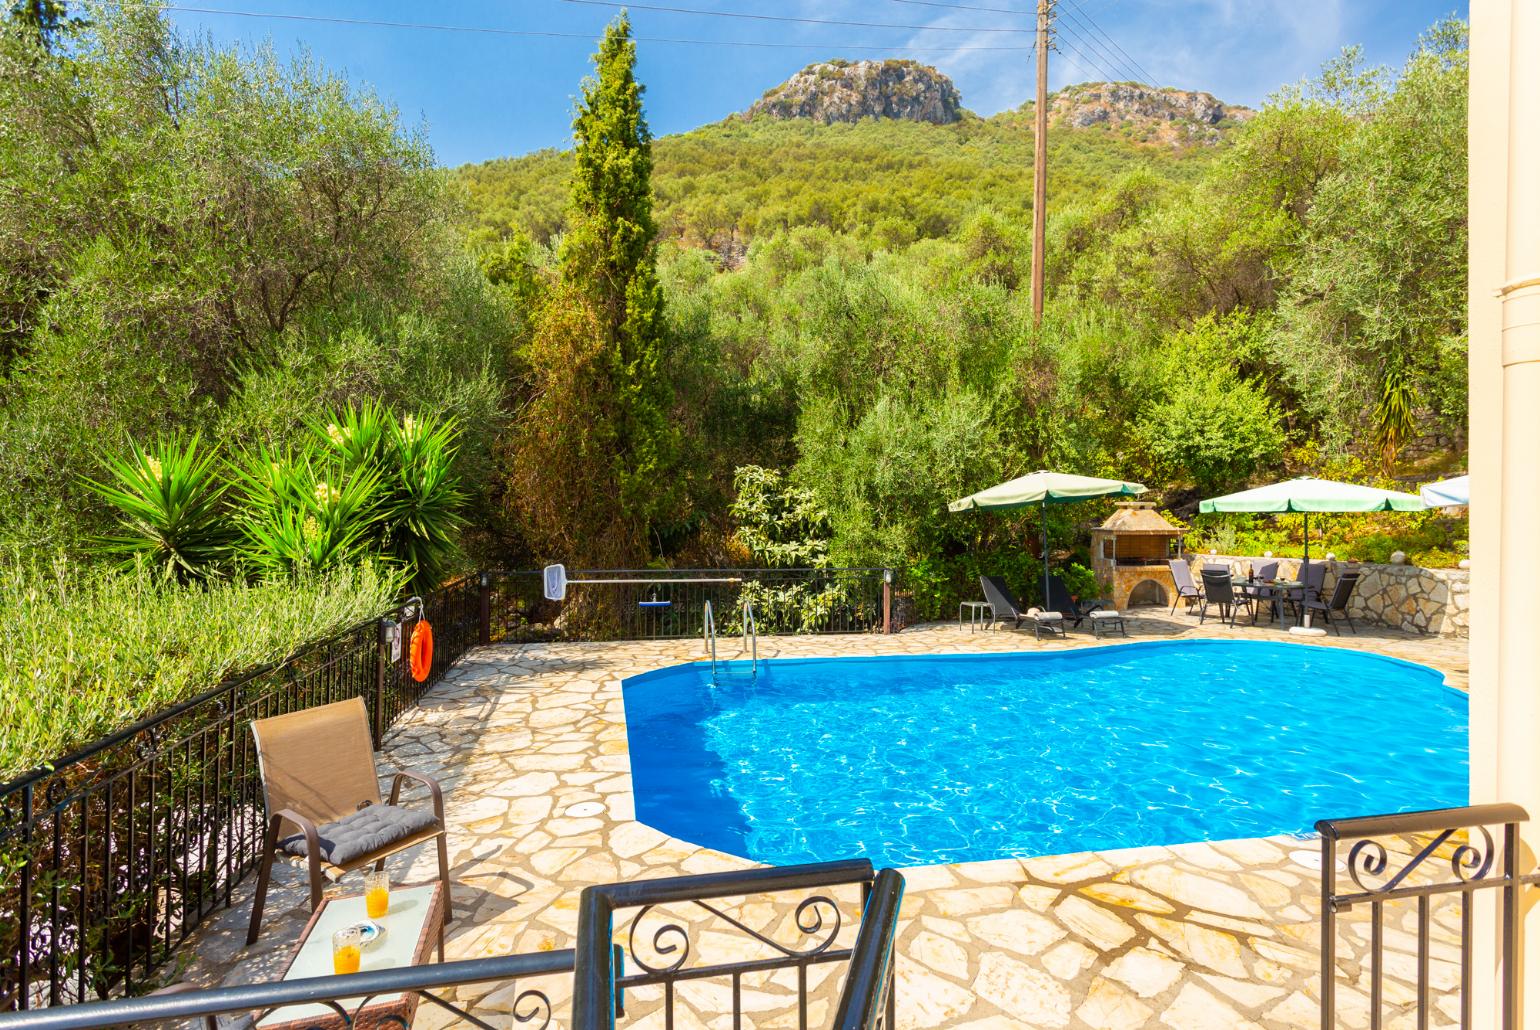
(345,996)
(662,956)
(870,997)
(1417,859)
(660,944)
(111,856)
(657,604)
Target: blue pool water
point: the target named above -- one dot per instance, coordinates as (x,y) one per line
(918,760)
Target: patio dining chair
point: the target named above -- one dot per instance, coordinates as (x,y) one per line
(1220,591)
(1341,592)
(1259,592)
(322,794)
(1186,589)
(1313,577)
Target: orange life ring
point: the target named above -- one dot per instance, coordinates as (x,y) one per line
(422,650)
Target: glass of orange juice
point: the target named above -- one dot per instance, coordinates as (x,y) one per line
(346,950)
(377,893)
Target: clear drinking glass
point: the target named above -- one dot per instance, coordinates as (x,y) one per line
(347,950)
(377,893)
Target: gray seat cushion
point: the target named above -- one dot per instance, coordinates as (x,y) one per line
(363,833)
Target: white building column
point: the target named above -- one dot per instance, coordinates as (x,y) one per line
(1505,448)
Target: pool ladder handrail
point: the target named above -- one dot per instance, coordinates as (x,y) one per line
(751,635)
(709,635)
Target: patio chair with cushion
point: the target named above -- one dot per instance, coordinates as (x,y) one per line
(1341,592)
(1218,590)
(322,794)
(1186,589)
(1105,620)
(1004,608)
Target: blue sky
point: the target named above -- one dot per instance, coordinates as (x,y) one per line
(483,95)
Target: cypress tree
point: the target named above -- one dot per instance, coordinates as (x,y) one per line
(591,466)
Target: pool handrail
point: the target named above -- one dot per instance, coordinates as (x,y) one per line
(751,635)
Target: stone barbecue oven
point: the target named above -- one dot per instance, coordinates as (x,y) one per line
(1131,550)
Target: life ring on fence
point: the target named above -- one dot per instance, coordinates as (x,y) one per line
(422,650)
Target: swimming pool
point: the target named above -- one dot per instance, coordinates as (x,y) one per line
(915,760)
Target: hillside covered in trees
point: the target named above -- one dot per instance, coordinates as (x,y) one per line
(885,182)
(1258,294)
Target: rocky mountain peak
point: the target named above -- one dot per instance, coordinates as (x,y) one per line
(1150,114)
(847,91)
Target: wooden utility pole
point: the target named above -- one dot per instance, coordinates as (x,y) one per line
(1040,159)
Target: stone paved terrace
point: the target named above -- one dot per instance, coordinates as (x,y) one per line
(1194,936)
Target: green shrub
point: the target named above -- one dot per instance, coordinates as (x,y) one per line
(90,650)
(783,526)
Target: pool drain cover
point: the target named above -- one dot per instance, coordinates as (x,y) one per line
(584,808)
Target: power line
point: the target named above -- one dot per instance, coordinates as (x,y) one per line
(1120,70)
(1070,46)
(965,7)
(1097,39)
(1147,77)
(798,21)
(1099,48)
(542,33)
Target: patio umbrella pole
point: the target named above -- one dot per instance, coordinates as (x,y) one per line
(1044,509)
(1304,573)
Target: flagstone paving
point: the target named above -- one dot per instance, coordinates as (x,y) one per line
(525,737)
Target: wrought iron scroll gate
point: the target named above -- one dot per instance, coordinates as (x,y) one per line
(674,917)
(1421,859)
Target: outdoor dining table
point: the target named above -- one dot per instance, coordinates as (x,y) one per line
(1273,590)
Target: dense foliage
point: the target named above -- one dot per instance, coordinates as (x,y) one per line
(90,650)
(883,183)
(201,239)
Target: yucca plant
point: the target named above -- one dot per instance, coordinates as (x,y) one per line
(422,503)
(418,515)
(169,500)
(358,435)
(302,515)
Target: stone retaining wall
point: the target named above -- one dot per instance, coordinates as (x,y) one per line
(1405,597)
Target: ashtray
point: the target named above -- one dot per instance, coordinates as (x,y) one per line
(370,933)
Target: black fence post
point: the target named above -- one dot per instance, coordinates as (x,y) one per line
(485,637)
(382,658)
(887,600)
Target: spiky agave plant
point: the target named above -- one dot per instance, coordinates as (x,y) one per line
(169,499)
